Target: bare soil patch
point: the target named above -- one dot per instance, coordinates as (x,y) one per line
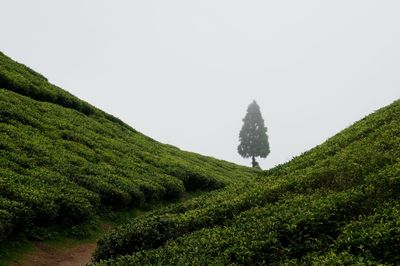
(46,255)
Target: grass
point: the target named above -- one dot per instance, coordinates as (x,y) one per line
(89,232)
(14,251)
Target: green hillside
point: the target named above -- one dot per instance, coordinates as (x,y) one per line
(62,161)
(337,204)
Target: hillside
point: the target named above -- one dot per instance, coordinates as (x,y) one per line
(337,204)
(62,161)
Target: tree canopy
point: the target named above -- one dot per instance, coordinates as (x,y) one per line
(253,135)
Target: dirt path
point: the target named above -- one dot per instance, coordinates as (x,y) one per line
(46,255)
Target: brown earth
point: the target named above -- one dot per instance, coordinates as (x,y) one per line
(46,255)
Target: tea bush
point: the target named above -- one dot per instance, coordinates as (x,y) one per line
(292,214)
(62,160)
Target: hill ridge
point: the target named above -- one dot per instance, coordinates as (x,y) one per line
(62,161)
(309,211)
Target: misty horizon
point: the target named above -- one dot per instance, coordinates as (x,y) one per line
(184,73)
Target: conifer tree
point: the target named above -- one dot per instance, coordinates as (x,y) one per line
(253,135)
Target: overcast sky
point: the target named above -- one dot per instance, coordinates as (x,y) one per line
(183,72)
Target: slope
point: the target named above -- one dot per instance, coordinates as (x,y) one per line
(335,204)
(63,160)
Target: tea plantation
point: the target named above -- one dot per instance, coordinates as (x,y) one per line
(62,160)
(337,204)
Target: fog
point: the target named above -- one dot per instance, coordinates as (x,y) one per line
(184,72)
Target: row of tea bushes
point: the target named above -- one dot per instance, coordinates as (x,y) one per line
(63,160)
(360,165)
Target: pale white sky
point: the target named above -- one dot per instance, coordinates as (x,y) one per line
(183,72)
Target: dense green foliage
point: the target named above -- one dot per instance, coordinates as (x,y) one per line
(253,135)
(336,204)
(25,81)
(62,160)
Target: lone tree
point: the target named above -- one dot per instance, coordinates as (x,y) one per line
(253,135)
